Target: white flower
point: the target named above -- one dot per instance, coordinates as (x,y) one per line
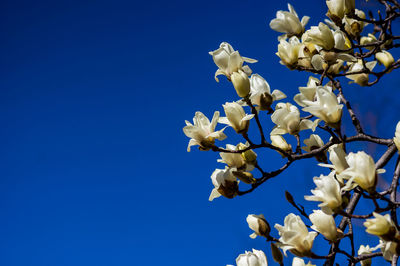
(385,58)
(381,226)
(328,192)
(324,224)
(225,184)
(280,142)
(299,262)
(233,160)
(307,94)
(235,117)
(202,132)
(288,52)
(288,22)
(388,249)
(361,78)
(370,39)
(338,158)
(352,26)
(229,61)
(258,224)
(312,143)
(295,236)
(321,36)
(336,8)
(396,138)
(241,83)
(287,120)
(255,258)
(326,106)
(315,142)
(261,93)
(365,250)
(361,171)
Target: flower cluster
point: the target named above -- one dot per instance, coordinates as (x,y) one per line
(343,46)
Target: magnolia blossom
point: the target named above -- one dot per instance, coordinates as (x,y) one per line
(389,249)
(241,83)
(353,26)
(299,262)
(370,39)
(338,158)
(236,117)
(324,224)
(202,131)
(312,143)
(307,94)
(328,192)
(338,8)
(365,250)
(396,138)
(295,236)
(315,142)
(255,258)
(360,78)
(288,22)
(228,61)
(382,226)
(326,106)
(261,93)
(306,53)
(288,52)
(225,184)
(249,156)
(361,171)
(258,224)
(287,120)
(280,142)
(235,160)
(385,58)
(321,36)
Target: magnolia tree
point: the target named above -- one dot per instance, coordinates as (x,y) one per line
(349,46)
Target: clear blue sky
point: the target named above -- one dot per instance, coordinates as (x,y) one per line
(93,161)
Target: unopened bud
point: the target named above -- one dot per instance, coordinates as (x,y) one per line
(289,197)
(241,83)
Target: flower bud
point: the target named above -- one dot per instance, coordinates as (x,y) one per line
(276,254)
(324,224)
(313,143)
(385,58)
(259,225)
(300,262)
(279,142)
(381,226)
(246,177)
(368,40)
(225,184)
(241,83)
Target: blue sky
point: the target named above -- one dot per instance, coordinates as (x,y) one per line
(93,98)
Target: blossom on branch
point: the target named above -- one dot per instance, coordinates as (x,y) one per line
(225,184)
(328,192)
(236,117)
(361,171)
(396,138)
(229,61)
(287,120)
(259,225)
(382,226)
(261,93)
(202,131)
(324,224)
(295,236)
(299,262)
(288,22)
